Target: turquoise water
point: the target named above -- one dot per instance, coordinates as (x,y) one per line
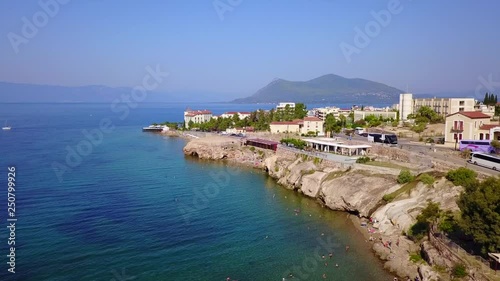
(135,208)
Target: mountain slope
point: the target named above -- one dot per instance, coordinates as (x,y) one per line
(327,88)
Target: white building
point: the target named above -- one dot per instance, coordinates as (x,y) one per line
(362,114)
(241,114)
(442,106)
(197,116)
(282,105)
(322,112)
(405,106)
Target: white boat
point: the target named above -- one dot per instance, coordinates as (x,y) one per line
(5,127)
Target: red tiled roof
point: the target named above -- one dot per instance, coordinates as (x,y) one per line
(488,126)
(197,112)
(263,141)
(312,119)
(473,114)
(285,123)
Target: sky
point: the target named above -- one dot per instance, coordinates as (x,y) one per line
(235,47)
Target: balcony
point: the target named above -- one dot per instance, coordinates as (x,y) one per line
(459,128)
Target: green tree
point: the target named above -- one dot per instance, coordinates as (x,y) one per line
(480,211)
(496,145)
(331,124)
(300,111)
(405,176)
(462,176)
(427,217)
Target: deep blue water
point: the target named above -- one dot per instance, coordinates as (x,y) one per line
(132,207)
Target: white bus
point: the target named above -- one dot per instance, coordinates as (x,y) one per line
(485,160)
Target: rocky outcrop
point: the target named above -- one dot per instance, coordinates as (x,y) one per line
(399,215)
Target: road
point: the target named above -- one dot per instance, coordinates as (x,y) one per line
(442,153)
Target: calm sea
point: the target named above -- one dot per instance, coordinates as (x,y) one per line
(132,207)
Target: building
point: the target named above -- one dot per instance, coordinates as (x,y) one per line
(321,113)
(285,127)
(240,130)
(468,125)
(241,114)
(313,124)
(299,126)
(282,105)
(443,106)
(262,143)
(362,114)
(196,116)
(405,106)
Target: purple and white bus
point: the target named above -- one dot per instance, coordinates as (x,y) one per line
(476,146)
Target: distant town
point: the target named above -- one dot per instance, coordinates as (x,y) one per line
(456,119)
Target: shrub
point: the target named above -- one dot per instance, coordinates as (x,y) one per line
(429,140)
(252,148)
(459,271)
(426,179)
(388,197)
(465,153)
(363,160)
(420,139)
(462,176)
(405,176)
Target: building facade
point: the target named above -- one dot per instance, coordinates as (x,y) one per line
(285,127)
(313,124)
(442,106)
(405,106)
(299,126)
(282,105)
(467,125)
(445,106)
(196,116)
(361,114)
(241,114)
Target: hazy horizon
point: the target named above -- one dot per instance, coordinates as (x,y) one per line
(231,49)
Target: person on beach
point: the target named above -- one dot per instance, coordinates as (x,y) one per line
(324,275)
(330,255)
(347,248)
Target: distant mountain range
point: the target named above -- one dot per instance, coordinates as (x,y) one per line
(33,93)
(327,88)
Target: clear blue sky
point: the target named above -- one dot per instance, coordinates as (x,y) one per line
(433,46)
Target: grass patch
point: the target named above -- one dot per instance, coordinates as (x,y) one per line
(416,258)
(404,189)
(334,175)
(385,165)
(439,268)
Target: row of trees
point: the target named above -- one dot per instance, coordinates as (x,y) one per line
(259,119)
(490,99)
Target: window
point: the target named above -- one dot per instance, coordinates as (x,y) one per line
(454,136)
(487,136)
(461,109)
(461,103)
(481,136)
(460,136)
(475,124)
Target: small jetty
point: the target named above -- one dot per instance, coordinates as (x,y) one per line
(155,128)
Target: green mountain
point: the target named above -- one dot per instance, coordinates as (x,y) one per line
(327,88)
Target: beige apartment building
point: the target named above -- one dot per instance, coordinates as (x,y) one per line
(299,126)
(445,106)
(469,125)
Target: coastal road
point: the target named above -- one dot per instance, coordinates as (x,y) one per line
(442,153)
